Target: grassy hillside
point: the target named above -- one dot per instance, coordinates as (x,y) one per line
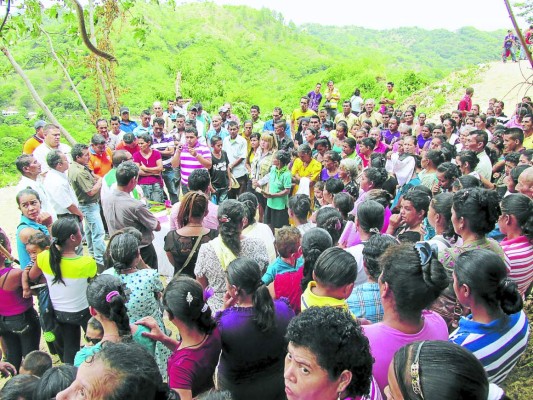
(225,53)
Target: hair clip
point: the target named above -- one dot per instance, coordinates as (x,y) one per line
(338,225)
(415,373)
(189,298)
(208,293)
(204,308)
(374,230)
(111,295)
(426,252)
(224,218)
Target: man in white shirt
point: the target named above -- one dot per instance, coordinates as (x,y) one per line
(477,141)
(61,195)
(52,136)
(236,147)
(30,169)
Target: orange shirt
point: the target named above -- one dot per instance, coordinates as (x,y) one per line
(101,164)
(31,144)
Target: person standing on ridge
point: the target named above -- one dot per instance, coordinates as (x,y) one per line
(509,45)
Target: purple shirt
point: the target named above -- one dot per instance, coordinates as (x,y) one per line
(422,142)
(314,100)
(193,369)
(251,357)
(149,162)
(388,136)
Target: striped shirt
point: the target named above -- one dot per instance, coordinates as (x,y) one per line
(519,260)
(162,143)
(188,163)
(498,344)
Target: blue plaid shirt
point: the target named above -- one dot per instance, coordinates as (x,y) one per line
(365,302)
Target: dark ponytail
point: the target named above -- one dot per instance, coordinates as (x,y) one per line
(249,201)
(489,284)
(314,242)
(331,220)
(106,295)
(244,273)
(442,204)
(414,285)
(184,299)
(521,207)
(230,215)
(62,229)
(124,250)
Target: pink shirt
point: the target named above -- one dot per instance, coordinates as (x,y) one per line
(150,162)
(519,260)
(385,341)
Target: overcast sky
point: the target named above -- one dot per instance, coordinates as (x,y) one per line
(382,14)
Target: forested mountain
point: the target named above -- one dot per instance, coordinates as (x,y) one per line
(224,53)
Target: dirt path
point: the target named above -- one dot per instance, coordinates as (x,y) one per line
(504,81)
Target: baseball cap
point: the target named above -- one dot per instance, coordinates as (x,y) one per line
(223,109)
(39,124)
(129,138)
(193,108)
(124,110)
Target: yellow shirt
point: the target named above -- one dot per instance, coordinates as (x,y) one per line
(309,299)
(350,120)
(312,171)
(298,113)
(528,142)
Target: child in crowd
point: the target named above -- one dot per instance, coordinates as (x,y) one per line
(220,173)
(334,275)
(288,245)
(36,363)
(37,243)
(95,332)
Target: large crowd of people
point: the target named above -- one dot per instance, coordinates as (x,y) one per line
(324,255)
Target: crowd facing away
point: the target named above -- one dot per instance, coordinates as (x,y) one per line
(349,250)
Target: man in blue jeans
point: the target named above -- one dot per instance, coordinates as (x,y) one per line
(87,187)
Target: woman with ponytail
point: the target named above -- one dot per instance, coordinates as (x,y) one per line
(143,285)
(369,222)
(215,256)
(252,327)
(365,300)
(253,228)
(440,218)
(195,356)
(107,304)
(516,223)
(182,244)
(292,284)
(412,278)
(474,214)
(66,275)
(497,330)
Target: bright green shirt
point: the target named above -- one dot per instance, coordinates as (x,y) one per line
(280,179)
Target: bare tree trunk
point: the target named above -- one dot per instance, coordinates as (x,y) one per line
(109,96)
(36,96)
(74,89)
(178,84)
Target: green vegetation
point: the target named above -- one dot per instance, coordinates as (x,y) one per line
(224,53)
